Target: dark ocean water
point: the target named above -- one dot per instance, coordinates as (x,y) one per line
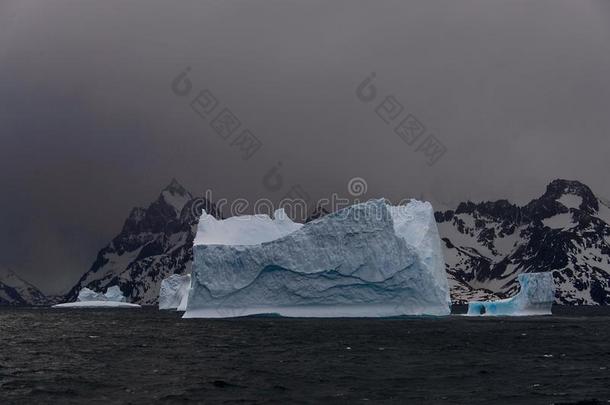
(144,356)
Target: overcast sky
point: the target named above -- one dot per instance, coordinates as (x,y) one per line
(518,92)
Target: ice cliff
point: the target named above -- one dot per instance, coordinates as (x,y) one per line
(115,294)
(174,292)
(535,297)
(367,260)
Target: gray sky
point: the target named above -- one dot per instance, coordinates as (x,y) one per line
(517,91)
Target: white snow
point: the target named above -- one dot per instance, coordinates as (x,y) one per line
(536,297)
(244,230)
(368,260)
(560,221)
(570,200)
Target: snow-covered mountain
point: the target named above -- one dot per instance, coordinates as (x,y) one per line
(486,245)
(154,243)
(566,231)
(16,291)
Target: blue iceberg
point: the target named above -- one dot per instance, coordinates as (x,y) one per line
(367,260)
(536,297)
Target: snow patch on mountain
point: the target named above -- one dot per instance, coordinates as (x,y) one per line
(570,201)
(560,221)
(565,231)
(14,290)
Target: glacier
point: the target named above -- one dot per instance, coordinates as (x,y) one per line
(87,298)
(367,260)
(535,297)
(174,292)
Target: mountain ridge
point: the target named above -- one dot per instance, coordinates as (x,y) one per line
(486,245)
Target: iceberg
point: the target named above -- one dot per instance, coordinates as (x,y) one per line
(535,297)
(87,298)
(174,292)
(89,295)
(96,304)
(367,260)
(115,294)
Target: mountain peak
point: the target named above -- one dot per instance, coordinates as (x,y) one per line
(559,188)
(568,187)
(175,195)
(175,187)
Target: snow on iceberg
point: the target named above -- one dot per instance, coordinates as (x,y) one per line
(367,260)
(536,297)
(113,298)
(174,292)
(243,230)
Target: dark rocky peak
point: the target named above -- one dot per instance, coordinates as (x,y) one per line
(500,210)
(162,216)
(554,200)
(558,188)
(193,209)
(175,188)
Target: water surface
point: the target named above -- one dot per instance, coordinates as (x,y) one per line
(144,355)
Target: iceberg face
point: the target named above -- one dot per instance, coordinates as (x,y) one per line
(174,292)
(89,295)
(368,260)
(536,297)
(115,294)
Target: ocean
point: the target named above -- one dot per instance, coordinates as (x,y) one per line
(143,356)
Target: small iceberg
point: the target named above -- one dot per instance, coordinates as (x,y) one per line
(96,304)
(536,297)
(174,292)
(87,298)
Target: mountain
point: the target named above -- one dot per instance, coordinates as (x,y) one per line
(16,291)
(487,245)
(154,243)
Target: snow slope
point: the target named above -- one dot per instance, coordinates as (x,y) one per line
(16,291)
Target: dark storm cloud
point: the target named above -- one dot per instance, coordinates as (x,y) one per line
(517,91)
